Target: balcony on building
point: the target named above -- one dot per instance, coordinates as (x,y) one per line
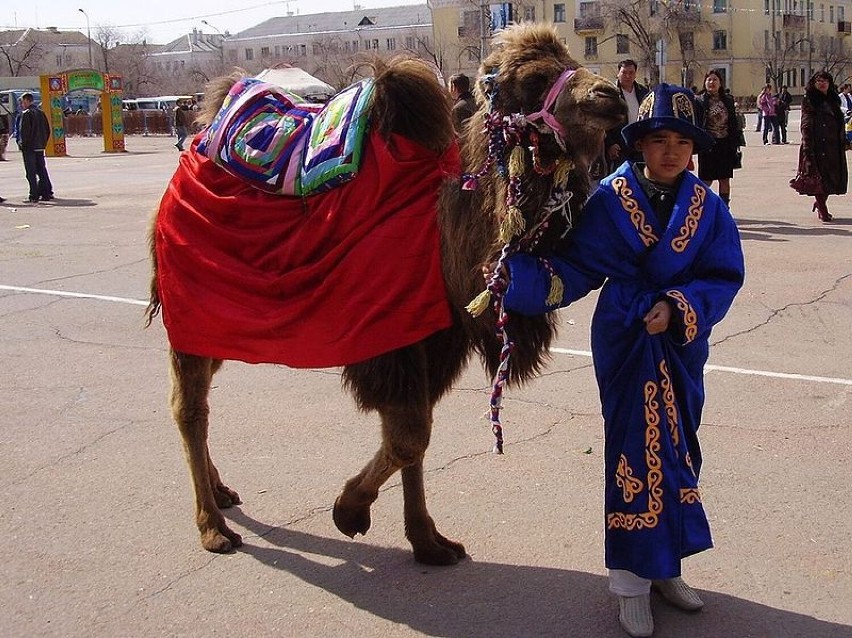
(844,27)
(794,21)
(589,24)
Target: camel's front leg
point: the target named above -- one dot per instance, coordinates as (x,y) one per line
(191,378)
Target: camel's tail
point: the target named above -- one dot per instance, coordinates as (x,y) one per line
(410,101)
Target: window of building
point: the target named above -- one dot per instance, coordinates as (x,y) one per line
(653,7)
(316,48)
(720,40)
(777,40)
(591,46)
(410,42)
(559,12)
(529,14)
(841,14)
(249,54)
(801,77)
(232,55)
(277,50)
(822,13)
(622,44)
(766,7)
(720,6)
(375,45)
(831,14)
(687,41)
(390,44)
(590,9)
(58,61)
(264,52)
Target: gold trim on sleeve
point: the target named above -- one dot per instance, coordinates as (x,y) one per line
(690,318)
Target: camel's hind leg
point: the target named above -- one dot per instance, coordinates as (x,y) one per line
(405,437)
(191,377)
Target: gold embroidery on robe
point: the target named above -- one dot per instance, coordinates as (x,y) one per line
(629,484)
(669,402)
(631,207)
(690,495)
(650,518)
(690,318)
(693,216)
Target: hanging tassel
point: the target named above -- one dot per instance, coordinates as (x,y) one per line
(563,167)
(557,290)
(516,162)
(470,183)
(513,224)
(480,304)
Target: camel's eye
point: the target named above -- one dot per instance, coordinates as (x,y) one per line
(533,89)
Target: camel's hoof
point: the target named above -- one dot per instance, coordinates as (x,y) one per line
(225,496)
(439,551)
(439,554)
(220,542)
(351,521)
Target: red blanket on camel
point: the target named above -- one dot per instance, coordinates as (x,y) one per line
(327,280)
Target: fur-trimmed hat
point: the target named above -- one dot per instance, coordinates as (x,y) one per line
(671,108)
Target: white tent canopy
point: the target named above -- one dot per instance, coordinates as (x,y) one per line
(297,81)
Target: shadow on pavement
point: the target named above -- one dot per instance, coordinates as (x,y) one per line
(487,600)
(762,230)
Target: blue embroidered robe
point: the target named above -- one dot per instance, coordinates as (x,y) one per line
(651,386)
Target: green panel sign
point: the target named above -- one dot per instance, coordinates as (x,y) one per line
(85,80)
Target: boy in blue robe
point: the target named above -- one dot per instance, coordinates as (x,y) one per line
(667,253)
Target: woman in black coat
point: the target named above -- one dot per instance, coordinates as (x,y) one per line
(719,119)
(822,156)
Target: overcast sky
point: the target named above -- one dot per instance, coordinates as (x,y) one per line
(164,20)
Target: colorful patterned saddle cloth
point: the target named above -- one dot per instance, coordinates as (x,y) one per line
(279,144)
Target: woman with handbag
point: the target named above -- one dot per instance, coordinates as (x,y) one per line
(719,119)
(822,158)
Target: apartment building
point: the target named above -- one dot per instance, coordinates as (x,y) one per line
(327,45)
(750,41)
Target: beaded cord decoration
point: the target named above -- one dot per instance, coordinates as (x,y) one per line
(513,135)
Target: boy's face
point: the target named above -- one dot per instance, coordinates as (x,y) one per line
(666,155)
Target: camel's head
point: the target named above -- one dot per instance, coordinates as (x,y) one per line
(531,72)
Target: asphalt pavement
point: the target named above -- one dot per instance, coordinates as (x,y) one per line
(97,504)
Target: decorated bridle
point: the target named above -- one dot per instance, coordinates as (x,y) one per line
(508,133)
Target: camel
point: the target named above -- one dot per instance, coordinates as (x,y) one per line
(525,157)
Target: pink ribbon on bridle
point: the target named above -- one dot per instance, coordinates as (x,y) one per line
(545,115)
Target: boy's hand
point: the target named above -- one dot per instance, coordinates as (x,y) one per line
(658,318)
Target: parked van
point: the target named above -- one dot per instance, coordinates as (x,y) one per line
(10,106)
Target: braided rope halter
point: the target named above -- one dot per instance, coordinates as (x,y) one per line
(507,134)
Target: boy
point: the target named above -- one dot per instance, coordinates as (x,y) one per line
(667,252)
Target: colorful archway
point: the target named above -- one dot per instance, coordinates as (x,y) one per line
(55,87)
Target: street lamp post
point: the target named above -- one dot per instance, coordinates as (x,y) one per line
(221,44)
(88,37)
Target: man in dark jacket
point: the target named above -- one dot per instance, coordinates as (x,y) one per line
(464,104)
(33,134)
(632,93)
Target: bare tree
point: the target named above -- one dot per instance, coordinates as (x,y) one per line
(830,55)
(108,38)
(779,56)
(22,52)
(648,25)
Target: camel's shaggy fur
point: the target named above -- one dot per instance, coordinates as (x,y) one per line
(404,385)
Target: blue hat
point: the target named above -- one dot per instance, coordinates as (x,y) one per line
(671,108)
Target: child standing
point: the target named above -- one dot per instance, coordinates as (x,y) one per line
(667,252)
